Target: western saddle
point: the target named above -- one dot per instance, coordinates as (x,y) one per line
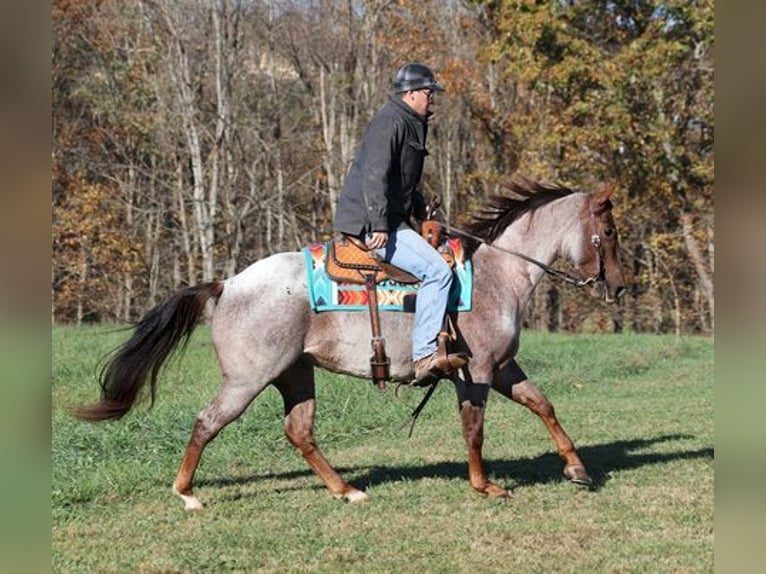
(350,261)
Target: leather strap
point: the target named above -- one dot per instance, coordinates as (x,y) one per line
(379,362)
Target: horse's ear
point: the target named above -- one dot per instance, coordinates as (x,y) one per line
(600,201)
(606,192)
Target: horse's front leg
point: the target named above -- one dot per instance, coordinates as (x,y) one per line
(472,400)
(513,383)
(296,386)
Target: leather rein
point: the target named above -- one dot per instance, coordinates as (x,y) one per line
(595,240)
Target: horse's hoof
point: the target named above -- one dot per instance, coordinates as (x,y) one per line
(492,490)
(354,496)
(578,475)
(191,502)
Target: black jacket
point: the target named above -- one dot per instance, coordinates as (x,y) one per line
(380,192)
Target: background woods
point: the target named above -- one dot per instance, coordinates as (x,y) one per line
(193,137)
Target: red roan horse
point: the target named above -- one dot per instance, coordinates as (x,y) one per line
(257,346)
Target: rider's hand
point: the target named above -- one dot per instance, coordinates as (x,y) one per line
(376,239)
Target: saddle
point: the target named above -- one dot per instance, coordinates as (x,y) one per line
(349,260)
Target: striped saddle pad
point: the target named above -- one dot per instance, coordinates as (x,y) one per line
(325,294)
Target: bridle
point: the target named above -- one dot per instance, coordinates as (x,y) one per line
(595,240)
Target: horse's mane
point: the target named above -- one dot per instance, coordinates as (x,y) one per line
(500,211)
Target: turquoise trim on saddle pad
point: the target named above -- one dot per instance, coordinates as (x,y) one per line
(328,295)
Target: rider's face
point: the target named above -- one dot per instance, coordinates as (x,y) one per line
(420,100)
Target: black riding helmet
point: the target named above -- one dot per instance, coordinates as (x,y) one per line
(415,77)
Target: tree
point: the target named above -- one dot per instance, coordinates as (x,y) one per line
(102,133)
(616,90)
(200,136)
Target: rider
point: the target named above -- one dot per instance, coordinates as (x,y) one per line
(379,196)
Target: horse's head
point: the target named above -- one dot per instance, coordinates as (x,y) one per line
(601,253)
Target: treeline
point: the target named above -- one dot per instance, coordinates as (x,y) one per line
(191,137)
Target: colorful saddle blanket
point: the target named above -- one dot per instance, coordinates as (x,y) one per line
(328,295)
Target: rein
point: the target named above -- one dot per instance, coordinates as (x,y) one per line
(557,273)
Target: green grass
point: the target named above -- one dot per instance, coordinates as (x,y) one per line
(640,409)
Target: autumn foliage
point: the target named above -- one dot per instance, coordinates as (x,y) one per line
(192,138)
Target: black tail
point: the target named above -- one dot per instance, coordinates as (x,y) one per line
(154,339)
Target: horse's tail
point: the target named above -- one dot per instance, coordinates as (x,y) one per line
(154,339)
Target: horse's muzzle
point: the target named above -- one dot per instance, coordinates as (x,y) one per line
(602,290)
(610,297)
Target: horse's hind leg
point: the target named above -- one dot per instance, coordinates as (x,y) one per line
(228,405)
(297,388)
(513,383)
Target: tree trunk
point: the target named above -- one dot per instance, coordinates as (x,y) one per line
(186,239)
(553,309)
(204,199)
(695,255)
(327,107)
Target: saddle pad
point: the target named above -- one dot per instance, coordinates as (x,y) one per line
(328,295)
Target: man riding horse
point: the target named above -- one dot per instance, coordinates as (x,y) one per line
(381,194)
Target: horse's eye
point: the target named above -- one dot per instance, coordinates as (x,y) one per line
(609,232)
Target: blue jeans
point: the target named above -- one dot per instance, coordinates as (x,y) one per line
(409,251)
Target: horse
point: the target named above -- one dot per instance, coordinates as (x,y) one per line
(265,333)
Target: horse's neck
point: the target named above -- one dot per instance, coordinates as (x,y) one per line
(552,231)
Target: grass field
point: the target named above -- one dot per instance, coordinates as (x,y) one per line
(639,408)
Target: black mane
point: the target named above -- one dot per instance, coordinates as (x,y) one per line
(501,211)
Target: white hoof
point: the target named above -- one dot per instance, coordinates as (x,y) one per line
(356,496)
(191,502)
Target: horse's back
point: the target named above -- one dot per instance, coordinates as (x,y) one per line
(268,288)
(281,270)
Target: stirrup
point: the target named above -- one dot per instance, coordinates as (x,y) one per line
(440,366)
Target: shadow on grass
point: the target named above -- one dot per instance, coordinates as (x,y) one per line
(601,460)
